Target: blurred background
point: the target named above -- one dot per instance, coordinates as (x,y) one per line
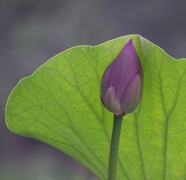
(31,32)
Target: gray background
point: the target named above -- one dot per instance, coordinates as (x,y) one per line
(31,32)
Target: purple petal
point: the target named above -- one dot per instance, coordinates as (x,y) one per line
(124,67)
(132,94)
(105,82)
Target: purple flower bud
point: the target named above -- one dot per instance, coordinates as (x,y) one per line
(121,85)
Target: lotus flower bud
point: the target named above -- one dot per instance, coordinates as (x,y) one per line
(121,85)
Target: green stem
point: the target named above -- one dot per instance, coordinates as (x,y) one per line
(114,147)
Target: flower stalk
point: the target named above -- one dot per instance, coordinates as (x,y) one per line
(112,167)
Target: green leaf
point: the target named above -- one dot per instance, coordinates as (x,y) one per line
(60,104)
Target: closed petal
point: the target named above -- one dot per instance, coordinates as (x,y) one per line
(132,94)
(123,69)
(111,101)
(105,82)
